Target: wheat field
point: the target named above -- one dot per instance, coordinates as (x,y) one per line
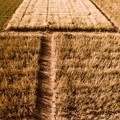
(19,55)
(63,14)
(65,75)
(87,76)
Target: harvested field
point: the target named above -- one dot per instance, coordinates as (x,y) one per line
(112,10)
(26,76)
(18,75)
(7,8)
(63,14)
(87,76)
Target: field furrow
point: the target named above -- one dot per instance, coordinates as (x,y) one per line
(64,15)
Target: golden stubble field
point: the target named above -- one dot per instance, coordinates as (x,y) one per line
(60,76)
(26,76)
(63,15)
(87,76)
(64,76)
(35,15)
(18,75)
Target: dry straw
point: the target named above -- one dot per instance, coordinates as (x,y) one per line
(66,15)
(87,76)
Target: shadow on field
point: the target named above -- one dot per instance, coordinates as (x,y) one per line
(86,29)
(44,92)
